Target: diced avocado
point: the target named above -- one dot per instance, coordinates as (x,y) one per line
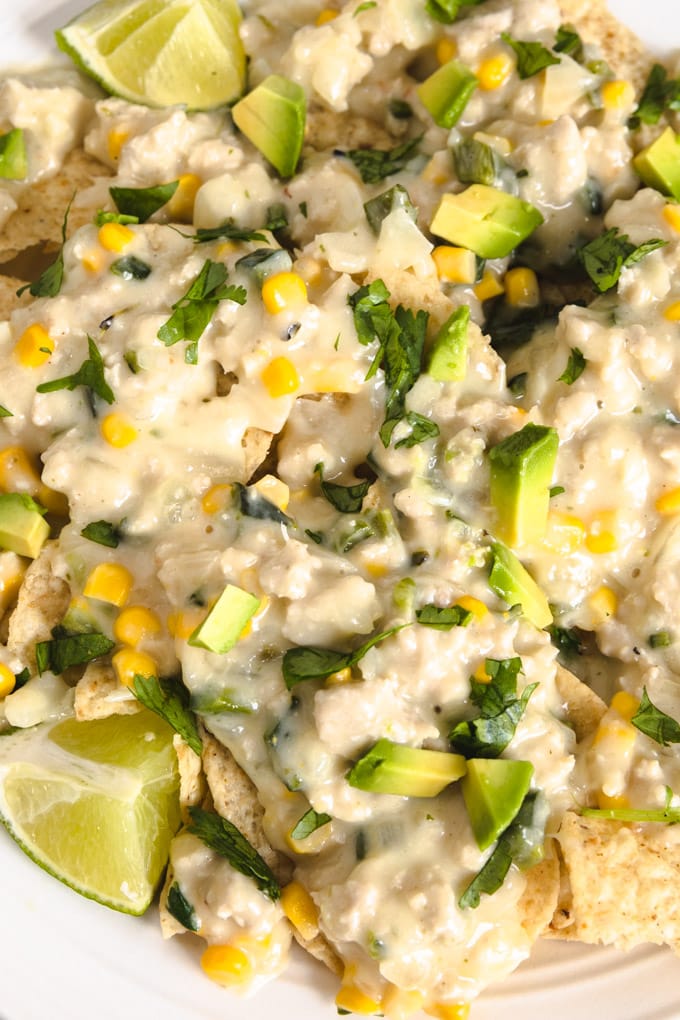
(405,771)
(23,529)
(448,357)
(382,205)
(658,165)
(445,93)
(88,616)
(224,623)
(521,472)
(493,790)
(513,583)
(272,117)
(13,160)
(488,221)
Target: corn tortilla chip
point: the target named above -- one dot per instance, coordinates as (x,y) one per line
(42,602)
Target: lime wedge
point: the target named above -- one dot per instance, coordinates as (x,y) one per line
(184,52)
(94,803)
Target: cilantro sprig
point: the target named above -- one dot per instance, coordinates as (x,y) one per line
(654,723)
(443,617)
(50,280)
(181,909)
(606,256)
(194,310)
(222,836)
(142,203)
(660,93)
(532,57)
(90,375)
(499,708)
(309,663)
(169,699)
(347,499)
(65,650)
(103,533)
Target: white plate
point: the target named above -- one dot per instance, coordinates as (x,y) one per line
(65,958)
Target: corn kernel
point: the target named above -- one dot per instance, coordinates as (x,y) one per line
(34,346)
(605,801)
(495,71)
(521,288)
(337,377)
(446,50)
(300,909)
(672,312)
(182,625)
(283,291)
(12,570)
(617,95)
(134,624)
(620,734)
(280,377)
(473,605)
(668,503)
(217,498)
(564,532)
(603,603)
(625,704)
(18,472)
(480,674)
(227,965)
(109,582)
(117,138)
(455,265)
(354,1000)
(449,1010)
(7,680)
(342,676)
(399,1004)
(602,534)
(226,248)
(93,261)
(128,663)
(181,205)
(274,490)
(115,236)
(326,15)
(671,214)
(489,286)
(117,430)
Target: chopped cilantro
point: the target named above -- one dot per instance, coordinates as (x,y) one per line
(487,735)
(446,11)
(66,650)
(225,839)
(660,93)
(443,617)
(129,267)
(169,699)
(90,375)
(376,164)
(50,280)
(103,533)
(277,217)
(142,203)
(179,907)
(345,498)
(309,823)
(569,42)
(4,413)
(308,663)
(575,367)
(532,57)
(229,231)
(192,313)
(654,723)
(605,256)
(421,430)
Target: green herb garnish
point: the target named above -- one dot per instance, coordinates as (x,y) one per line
(142,203)
(50,280)
(66,650)
(347,499)
(309,823)
(605,256)
(446,11)
(660,93)
(225,839)
(169,699)
(192,313)
(4,413)
(309,663)
(532,57)
(421,430)
(229,231)
(575,367)
(654,723)
(129,267)
(178,905)
(568,41)
(443,617)
(500,710)
(376,164)
(90,375)
(103,533)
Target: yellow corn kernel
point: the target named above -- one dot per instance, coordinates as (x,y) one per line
(117,430)
(620,735)
(274,490)
(128,663)
(343,676)
(115,236)
(226,248)
(446,50)
(480,674)
(617,95)
(217,498)
(109,582)
(326,15)
(300,909)
(449,1010)
(7,680)
(283,291)
(605,801)
(117,138)
(280,377)
(495,71)
(473,605)
(12,570)
(671,214)
(521,288)
(625,704)
(602,537)
(489,286)
(564,532)
(134,624)
(182,625)
(603,603)
(354,1000)
(181,205)
(672,312)
(18,472)
(93,261)
(668,503)
(34,346)
(455,265)
(227,965)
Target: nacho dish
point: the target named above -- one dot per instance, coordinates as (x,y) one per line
(340,451)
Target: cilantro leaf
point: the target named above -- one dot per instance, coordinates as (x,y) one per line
(90,375)
(532,57)
(4,413)
(605,256)
(421,429)
(567,40)
(129,267)
(575,367)
(659,94)
(103,533)
(309,823)
(376,164)
(489,878)
(58,654)
(192,313)
(22,678)
(253,504)
(169,699)
(178,905)
(347,499)
(401,361)
(225,839)
(373,318)
(227,230)
(50,280)
(654,723)
(277,217)
(142,203)
(446,11)
(443,617)
(500,710)
(309,663)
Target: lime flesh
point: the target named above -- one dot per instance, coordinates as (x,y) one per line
(94,803)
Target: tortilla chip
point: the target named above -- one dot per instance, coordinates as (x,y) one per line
(256,443)
(42,602)
(9,285)
(98,694)
(621,883)
(583,707)
(192,787)
(620,46)
(539,900)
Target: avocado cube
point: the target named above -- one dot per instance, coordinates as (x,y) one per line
(522,466)
(448,357)
(493,790)
(514,584)
(445,93)
(224,624)
(272,117)
(658,165)
(13,159)
(405,771)
(23,529)
(488,221)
